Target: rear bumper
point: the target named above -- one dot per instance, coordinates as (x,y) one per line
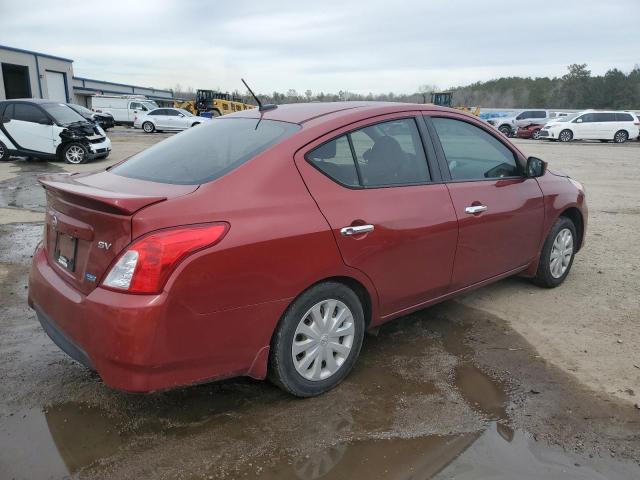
(145,343)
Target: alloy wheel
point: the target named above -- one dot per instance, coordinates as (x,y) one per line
(536,134)
(565,136)
(323,340)
(561,253)
(75,154)
(620,137)
(148,127)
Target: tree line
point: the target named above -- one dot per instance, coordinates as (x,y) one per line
(577,89)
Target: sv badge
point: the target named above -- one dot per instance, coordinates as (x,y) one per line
(104,245)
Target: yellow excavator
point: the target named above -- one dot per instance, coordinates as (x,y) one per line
(210,103)
(445,99)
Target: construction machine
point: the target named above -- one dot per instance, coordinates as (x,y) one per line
(445,99)
(213,103)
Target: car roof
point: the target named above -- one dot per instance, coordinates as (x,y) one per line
(39,101)
(301,113)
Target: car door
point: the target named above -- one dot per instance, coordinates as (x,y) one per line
(500,212)
(176,119)
(583,127)
(390,216)
(29,128)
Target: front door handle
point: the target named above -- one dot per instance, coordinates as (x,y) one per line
(472,210)
(356,230)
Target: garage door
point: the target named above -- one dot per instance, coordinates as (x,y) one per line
(56,86)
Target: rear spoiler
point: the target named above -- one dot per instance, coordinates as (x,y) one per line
(67,188)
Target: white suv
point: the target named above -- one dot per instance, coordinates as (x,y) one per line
(593,125)
(49,130)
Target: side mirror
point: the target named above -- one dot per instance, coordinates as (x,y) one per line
(578,120)
(535,167)
(181,115)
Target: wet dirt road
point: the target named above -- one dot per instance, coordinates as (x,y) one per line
(449,392)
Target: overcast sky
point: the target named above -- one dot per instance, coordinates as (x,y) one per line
(361,46)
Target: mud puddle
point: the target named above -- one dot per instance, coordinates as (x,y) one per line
(415,407)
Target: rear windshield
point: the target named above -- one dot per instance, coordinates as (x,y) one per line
(205,152)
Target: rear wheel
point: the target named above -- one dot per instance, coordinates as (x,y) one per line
(557,254)
(317,340)
(4,152)
(75,153)
(565,136)
(621,136)
(148,127)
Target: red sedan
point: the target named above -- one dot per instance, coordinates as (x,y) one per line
(530,131)
(265,243)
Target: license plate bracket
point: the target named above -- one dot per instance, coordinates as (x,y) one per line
(65,252)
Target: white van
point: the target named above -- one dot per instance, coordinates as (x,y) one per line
(593,125)
(124,108)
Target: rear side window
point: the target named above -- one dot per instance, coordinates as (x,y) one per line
(624,117)
(28,113)
(472,153)
(335,160)
(202,154)
(386,154)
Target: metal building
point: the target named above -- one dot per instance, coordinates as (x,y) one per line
(27,74)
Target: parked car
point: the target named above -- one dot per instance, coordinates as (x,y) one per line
(49,130)
(593,125)
(105,120)
(123,108)
(509,125)
(162,119)
(264,243)
(530,131)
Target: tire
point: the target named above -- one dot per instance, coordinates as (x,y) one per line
(558,243)
(4,152)
(148,127)
(195,123)
(75,153)
(300,324)
(505,129)
(536,135)
(565,135)
(621,136)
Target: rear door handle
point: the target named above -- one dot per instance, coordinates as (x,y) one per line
(356,230)
(472,210)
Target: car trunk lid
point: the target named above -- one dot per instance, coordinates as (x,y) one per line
(88,220)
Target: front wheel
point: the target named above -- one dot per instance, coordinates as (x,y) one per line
(557,254)
(536,135)
(148,127)
(75,153)
(505,130)
(621,136)
(317,340)
(565,136)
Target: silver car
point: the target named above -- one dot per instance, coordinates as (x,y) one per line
(170,119)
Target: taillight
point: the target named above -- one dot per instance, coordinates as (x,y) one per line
(146,264)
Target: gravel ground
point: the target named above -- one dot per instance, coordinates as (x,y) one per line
(510,381)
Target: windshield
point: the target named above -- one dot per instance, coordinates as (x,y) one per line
(200,155)
(185,112)
(150,105)
(80,109)
(63,114)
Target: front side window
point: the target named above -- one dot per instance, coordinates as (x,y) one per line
(203,154)
(386,154)
(135,106)
(586,118)
(29,113)
(172,113)
(472,153)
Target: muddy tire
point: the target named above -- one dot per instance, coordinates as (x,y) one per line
(565,135)
(148,127)
(317,341)
(75,153)
(557,254)
(4,152)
